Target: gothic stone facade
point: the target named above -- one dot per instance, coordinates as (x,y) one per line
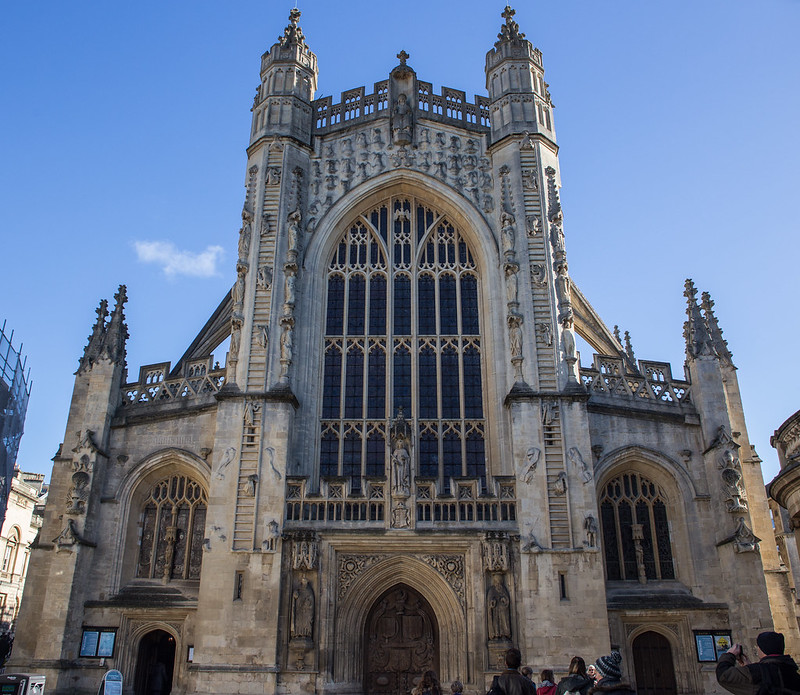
(403,464)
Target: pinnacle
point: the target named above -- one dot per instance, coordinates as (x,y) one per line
(510,30)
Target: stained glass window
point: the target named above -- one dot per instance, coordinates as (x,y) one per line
(635,529)
(402,331)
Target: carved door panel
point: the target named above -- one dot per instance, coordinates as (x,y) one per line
(652,659)
(400,643)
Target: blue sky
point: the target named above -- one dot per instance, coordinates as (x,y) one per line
(124,127)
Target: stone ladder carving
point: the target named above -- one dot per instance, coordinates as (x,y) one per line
(265,237)
(546,346)
(248,482)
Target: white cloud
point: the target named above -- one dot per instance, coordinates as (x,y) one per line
(174,262)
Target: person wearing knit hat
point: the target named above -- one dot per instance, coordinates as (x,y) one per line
(609,668)
(774,669)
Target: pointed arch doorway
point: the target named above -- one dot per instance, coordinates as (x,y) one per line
(401,641)
(655,670)
(155,663)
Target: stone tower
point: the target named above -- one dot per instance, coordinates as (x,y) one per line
(403,464)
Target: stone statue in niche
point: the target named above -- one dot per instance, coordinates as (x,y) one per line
(250,485)
(401,473)
(590,526)
(515,334)
(237,291)
(291,281)
(286,343)
(303,604)
(507,226)
(244,242)
(498,604)
(512,284)
(402,122)
(400,434)
(294,220)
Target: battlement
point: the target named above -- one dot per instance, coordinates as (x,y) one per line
(451,106)
(652,382)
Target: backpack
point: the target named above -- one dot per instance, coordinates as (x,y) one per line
(772,681)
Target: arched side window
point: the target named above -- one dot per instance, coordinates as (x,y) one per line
(172,521)
(10,553)
(635,529)
(402,332)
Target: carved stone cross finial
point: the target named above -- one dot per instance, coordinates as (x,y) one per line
(508,13)
(403,56)
(510,30)
(294,16)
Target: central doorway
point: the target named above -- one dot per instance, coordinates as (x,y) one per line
(655,671)
(401,641)
(155,664)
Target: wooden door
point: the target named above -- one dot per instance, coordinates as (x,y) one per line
(400,643)
(652,659)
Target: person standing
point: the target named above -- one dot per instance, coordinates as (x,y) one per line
(774,669)
(511,681)
(610,672)
(428,685)
(547,686)
(577,680)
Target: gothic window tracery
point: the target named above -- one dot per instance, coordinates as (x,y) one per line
(172,524)
(635,529)
(402,331)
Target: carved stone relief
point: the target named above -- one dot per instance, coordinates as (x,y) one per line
(591,529)
(498,607)
(303,611)
(304,552)
(528,467)
(576,459)
(347,161)
(227,459)
(495,554)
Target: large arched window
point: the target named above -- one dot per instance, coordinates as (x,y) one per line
(636,534)
(402,332)
(173,521)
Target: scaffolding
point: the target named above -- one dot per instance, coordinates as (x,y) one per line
(15,390)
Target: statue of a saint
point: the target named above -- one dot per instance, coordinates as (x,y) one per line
(303,611)
(401,472)
(498,604)
(402,122)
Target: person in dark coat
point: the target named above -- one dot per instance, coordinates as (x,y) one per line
(736,674)
(577,680)
(610,672)
(511,681)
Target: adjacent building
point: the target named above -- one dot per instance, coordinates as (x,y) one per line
(26,500)
(404,464)
(15,389)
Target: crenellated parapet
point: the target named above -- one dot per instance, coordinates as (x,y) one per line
(357,107)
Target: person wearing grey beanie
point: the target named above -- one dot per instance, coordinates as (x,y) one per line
(609,668)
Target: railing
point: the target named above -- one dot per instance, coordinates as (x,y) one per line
(199,378)
(611,376)
(355,106)
(465,503)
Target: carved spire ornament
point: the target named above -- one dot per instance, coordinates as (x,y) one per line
(95,345)
(695,329)
(293,34)
(510,30)
(720,344)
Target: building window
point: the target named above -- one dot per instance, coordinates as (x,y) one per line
(635,528)
(10,553)
(173,520)
(402,332)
